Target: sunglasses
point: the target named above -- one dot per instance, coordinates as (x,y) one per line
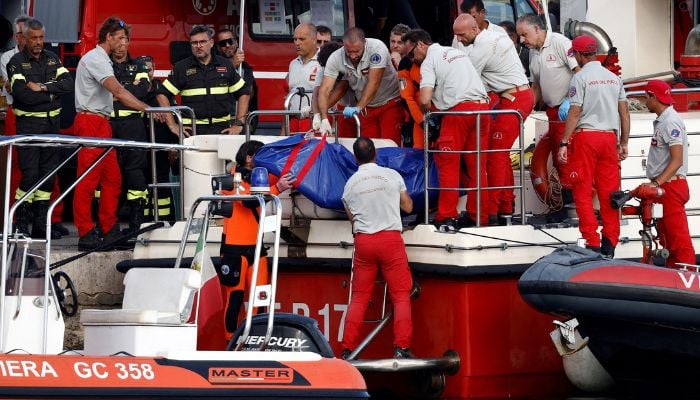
(410,53)
(225,42)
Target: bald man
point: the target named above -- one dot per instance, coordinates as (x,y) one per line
(302,74)
(495,59)
(366,65)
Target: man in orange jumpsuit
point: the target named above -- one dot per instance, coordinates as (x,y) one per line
(239,238)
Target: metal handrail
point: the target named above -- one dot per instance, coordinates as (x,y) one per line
(303,94)
(177,113)
(478,152)
(257,113)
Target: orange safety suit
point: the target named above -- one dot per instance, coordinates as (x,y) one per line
(238,253)
(409,83)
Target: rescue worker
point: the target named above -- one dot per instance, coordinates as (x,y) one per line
(412,133)
(227,45)
(374,197)
(204,83)
(551,70)
(366,65)
(323,35)
(396,48)
(476,9)
(339,87)
(667,166)
(450,82)
(302,74)
(95,89)
(239,238)
(127,124)
(38,80)
(495,59)
(164,159)
(598,114)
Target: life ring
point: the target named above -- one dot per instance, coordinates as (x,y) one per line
(539,173)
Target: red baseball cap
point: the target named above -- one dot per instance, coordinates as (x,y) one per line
(661,90)
(583,44)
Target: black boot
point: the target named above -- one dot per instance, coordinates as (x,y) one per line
(606,248)
(41,209)
(136,216)
(23,217)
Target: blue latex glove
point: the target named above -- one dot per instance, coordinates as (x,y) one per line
(350,111)
(564,109)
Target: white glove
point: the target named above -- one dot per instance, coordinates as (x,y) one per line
(304,112)
(325,127)
(316,122)
(310,134)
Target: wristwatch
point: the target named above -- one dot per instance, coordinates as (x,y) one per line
(237,122)
(43,87)
(563,144)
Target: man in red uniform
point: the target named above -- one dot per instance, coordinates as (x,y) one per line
(590,144)
(239,237)
(667,166)
(95,87)
(373,198)
(366,65)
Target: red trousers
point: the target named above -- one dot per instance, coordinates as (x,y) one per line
(377,122)
(105,175)
(555,134)
(673,227)
(16,176)
(458,133)
(594,161)
(371,255)
(505,129)
(299,125)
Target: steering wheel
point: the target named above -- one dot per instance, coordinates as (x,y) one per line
(65,293)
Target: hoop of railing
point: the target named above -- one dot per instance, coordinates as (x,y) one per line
(478,152)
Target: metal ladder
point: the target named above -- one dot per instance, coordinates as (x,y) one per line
(259,295)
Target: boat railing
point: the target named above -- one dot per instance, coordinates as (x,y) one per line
(258,295)
(479,153)
(302,94)
(8,212)
(287,113)
(177,112)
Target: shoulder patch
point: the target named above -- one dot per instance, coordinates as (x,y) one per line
(375,58)
(222,69)
(572,91)
(675,133)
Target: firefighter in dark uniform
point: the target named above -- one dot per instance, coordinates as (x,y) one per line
(37,80)
(127,124)
(205,82)
(164,159)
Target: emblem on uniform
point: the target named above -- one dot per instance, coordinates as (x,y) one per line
(221,69)
(675,133)
(312,76)
(375,58)
(131,67)
(225,269)
(551,57)
(26,66)
(654,142)
(572,91)
(51,61)
(190,71)
(497,135)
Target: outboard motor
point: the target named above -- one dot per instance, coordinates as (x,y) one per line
(291,332)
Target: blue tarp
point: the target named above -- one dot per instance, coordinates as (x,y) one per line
(325,178)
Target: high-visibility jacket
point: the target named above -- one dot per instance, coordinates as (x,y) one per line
(24,68)
(133,75)
(205,88)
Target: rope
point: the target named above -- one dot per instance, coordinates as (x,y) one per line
(553,197)
(510,240)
